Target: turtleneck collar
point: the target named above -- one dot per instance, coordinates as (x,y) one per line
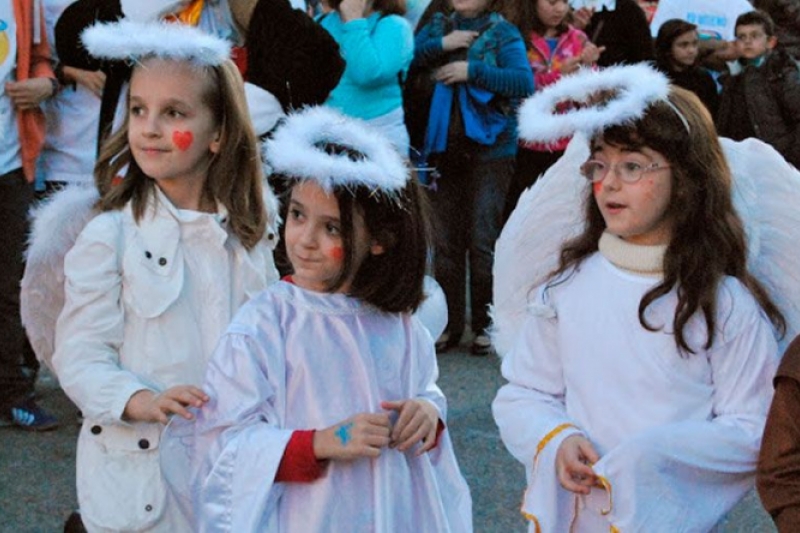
(635,258)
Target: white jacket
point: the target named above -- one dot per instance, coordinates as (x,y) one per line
(145,305)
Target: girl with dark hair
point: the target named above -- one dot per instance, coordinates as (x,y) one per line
(554,49)
(324,413)
(677,49)
(640,381)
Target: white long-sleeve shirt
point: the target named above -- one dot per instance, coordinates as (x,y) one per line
(678,434)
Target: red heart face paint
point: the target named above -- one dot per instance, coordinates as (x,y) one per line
(337,253)
(597,186)
(182,139)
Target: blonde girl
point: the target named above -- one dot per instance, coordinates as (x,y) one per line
(180,243)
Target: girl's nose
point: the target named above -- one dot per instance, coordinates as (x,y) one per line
(151,127)
(308,237)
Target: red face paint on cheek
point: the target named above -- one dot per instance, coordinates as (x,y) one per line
(182,139)
(597,186)
(337,253)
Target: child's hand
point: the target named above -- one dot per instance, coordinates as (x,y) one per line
(591,53)
(94,80)
(573,464)
(458,39)
(418,421)
(455,72)
(362,435)
(147,406)
(582,17)
(29,93)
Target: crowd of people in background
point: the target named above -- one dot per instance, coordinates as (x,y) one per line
(443,81)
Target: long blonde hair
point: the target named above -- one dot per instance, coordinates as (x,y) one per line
(235,177)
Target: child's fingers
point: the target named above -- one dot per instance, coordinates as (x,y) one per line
(588,452)
(577,477)
(429,441)
(413,433)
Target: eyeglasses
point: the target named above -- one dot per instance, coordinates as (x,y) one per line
(747,37)
(627,171)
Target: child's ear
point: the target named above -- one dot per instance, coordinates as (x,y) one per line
(772,42)
(215,144)
(376,248)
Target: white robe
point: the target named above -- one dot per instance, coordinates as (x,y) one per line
(678,435)
(296,359)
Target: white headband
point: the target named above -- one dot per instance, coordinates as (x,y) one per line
(127,40)
(635,88)
(295,150)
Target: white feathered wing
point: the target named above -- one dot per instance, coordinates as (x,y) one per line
(766,193)
(527,251)
(56,224)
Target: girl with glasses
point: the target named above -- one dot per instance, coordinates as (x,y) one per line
(640,377)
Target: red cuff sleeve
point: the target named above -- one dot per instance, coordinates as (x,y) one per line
(299,464)
(439,431)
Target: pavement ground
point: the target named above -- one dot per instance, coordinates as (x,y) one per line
(37,477)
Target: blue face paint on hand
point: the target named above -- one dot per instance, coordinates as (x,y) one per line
(343,433)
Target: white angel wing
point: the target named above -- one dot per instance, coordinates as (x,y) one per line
(57,223)
(766,193)
(433,311)
(527,251)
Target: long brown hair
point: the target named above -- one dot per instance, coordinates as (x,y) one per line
(708,238)
(235,177)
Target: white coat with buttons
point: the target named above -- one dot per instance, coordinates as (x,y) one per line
(145,305)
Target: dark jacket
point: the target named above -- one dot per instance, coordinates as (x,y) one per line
(624,32)
(700,82)
(771,95)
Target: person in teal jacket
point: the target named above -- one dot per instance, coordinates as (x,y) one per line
(377,44)
(476,61)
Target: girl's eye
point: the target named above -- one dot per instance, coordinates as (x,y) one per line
(295,214)
(136,110)
(632,167)
(174,113)
(332,229)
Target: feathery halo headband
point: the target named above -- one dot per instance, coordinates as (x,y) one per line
(633,88)
(296,149)
(126,40)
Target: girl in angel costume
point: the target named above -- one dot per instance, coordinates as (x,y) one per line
(181,241)
(324,413)
(639,365)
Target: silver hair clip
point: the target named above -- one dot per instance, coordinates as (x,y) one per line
(680,115)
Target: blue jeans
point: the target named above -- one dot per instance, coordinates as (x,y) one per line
(16,195)
(468,210)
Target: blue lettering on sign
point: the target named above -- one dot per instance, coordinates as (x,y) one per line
(707,19)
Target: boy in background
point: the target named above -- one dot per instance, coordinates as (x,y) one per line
(761,98)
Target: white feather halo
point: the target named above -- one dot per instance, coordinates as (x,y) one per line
(127,40)
(294,151)
(635,88)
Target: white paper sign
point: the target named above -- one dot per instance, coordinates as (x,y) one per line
(715,19)
(597,5)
